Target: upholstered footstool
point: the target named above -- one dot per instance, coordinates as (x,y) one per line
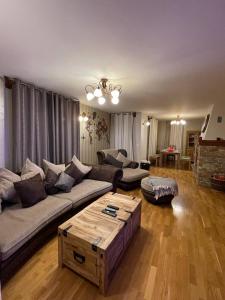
(159,190)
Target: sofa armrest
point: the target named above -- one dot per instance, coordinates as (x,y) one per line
(133,165)
(106,173)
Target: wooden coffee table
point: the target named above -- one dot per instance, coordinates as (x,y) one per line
(92,243)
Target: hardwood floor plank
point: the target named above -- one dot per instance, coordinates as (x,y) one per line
(178,253)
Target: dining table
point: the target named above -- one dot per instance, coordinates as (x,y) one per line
(164,154)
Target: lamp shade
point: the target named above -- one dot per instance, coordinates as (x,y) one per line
(101,100)
(115,93)
(98,92)
(90,96)
(115,100)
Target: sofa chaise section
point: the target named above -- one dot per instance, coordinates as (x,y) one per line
(132,175)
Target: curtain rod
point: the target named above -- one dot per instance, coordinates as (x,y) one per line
(124,113)
(10,81)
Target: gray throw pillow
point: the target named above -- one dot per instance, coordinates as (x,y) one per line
(50,180)
(65,182)
(75,173)
(123,159)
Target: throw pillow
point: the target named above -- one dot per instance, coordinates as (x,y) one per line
(50,181)
(31,190)
(75,173)
(65,182)
(110,160)
(30,169)
(56,168)
(84,169)
(123,159)
(7,190)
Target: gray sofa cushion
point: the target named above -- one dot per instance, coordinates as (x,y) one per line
(85,191)
(131,175)
(18,224)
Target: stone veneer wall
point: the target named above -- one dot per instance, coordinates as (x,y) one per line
(211,160)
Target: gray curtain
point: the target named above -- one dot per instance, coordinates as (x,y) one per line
(45,125)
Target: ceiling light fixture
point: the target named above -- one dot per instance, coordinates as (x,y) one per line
(102,90)
(178,121)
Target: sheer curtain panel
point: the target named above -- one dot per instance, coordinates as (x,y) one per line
(176,136)
(122,135)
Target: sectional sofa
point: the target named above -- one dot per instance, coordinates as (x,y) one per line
(24,230)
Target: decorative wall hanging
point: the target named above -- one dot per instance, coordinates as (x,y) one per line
(96,126)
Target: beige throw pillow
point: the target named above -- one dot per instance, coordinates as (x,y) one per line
(123,159)
(30,169)
(84,169)
(7,179)
(55,168)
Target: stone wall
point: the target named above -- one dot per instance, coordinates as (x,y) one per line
(210,160)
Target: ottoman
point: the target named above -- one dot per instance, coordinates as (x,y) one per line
(159,190)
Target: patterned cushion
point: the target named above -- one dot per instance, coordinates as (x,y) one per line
(30,169)
(56,168)
(84,169)
(112,152)
(123,159)
(7,190)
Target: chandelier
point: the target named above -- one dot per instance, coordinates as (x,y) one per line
(102,90)
(178,121)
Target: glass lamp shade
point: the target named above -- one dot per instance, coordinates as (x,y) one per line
(115,94)
(85,119)
(101,100)
(90,96)
(148,123)
(80,118)
(98,92)
(115,100)
(183,122)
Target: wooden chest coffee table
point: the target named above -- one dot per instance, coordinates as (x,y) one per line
(92,243)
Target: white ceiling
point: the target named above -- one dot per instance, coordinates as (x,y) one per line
(169,56)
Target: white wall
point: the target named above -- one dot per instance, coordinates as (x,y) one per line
(215,130)
(88,150)
(2,126)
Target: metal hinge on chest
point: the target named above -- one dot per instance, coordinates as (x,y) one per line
(95,244)
(65,231)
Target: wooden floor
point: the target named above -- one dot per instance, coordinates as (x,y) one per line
(179,253)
